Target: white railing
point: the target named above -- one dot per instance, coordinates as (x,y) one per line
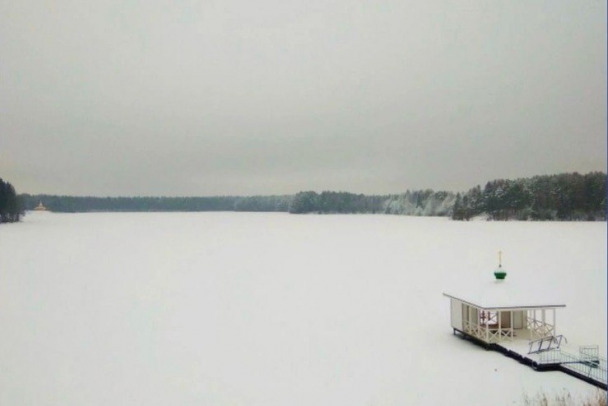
(475,330)
(539,329)
(488,333)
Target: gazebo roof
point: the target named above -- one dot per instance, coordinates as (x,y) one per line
(509,293)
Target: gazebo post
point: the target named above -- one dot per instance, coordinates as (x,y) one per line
(499,325)
(543,316)
(487,330)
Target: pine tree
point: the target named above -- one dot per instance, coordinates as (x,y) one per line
(11,207)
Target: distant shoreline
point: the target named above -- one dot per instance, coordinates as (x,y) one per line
(562,197)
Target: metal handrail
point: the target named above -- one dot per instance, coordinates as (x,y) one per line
(549,340)
(594,367)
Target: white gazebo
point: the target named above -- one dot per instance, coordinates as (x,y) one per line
(499,309)
(517,317)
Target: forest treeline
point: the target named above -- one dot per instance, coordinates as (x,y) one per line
(76,204)
(418,203)
(568,196)
(11,207)
(412,203)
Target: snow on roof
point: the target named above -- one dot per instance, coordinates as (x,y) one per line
(511,292)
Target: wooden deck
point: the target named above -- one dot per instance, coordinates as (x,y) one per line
(572,360)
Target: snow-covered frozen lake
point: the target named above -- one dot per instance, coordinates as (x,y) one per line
(275,309)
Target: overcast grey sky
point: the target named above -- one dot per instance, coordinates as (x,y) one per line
(185,97)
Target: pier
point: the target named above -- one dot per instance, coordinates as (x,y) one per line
(582,362)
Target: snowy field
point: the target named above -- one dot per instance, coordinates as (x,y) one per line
(275,309)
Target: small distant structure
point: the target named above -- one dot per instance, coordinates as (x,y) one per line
(516,320)
(40,207)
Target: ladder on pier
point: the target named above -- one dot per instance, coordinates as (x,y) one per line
(546,344)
